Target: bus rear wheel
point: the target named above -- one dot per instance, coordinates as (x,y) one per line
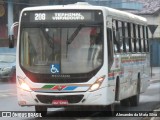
(125,102)
(131,101)
(134,100)
(42,110)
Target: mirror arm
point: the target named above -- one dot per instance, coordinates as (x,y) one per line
(11,37)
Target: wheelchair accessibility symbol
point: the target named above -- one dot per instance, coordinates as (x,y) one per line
(55,68)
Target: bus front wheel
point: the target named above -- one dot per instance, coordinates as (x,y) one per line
(109,110)
(42,110)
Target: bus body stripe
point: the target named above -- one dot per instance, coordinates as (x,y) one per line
(57,87)
(63,87)
(112,74)
(70,88)
(48,86)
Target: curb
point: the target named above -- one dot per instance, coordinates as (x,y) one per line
(155,80)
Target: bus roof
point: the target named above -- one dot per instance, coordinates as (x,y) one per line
(114,13)
(122,15)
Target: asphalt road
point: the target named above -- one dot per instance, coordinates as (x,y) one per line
(148,101)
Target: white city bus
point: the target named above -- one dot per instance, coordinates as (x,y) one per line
(81,55)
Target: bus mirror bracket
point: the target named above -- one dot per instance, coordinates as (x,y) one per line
(11,37)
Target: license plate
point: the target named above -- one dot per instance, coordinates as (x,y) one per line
(60,102)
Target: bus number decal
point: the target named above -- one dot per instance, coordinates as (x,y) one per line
(40,16)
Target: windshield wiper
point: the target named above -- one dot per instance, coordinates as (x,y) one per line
(72,37)
(49,39)
(75,33)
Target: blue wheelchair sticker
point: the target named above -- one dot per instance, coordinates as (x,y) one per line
(55,68)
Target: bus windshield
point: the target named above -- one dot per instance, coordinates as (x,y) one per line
(57,50)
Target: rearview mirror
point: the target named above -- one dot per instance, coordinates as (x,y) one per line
(11,41)
(11,37)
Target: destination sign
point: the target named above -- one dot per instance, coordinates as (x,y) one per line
(62,16)
(69,16)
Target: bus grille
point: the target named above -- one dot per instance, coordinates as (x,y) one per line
(49,98)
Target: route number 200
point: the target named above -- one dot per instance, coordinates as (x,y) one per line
(40,16)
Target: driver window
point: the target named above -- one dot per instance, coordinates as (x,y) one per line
(95,49)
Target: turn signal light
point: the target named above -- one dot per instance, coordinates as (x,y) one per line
(97,84)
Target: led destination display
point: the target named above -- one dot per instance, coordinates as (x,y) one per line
(63,16)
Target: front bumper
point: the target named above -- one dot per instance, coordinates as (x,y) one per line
(98,97)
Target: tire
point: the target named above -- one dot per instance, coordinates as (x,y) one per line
(134,100)
(42,110)
(125,102)
(109,110)
(131,101)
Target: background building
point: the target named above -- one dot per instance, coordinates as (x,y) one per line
(151,10)
(10,10)
(8,17)
(118,4)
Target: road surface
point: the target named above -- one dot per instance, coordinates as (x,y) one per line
(148,101)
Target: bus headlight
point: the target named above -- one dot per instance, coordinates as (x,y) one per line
(97,84)
(23,85)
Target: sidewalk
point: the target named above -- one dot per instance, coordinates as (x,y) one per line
(155,78)
(155,74)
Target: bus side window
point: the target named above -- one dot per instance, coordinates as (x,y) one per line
(137,38)
(129,37)
(110,48)
(124,36)
(144,39)
(116,36)
(134,38)
(120,35)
